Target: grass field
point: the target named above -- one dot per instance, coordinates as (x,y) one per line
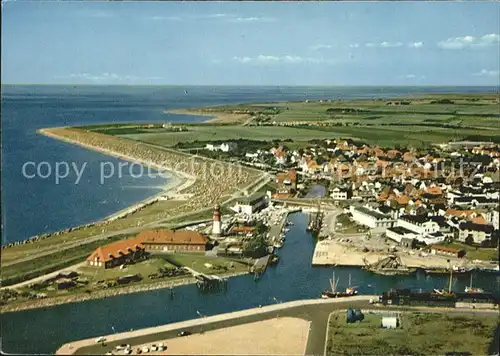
(23,271)
(197,262)
(144,268)
(479,253)
(372,121)
(421,334)
(148,214)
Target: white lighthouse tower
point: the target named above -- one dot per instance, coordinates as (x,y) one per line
(216,225)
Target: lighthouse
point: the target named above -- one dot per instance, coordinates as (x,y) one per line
(216,221)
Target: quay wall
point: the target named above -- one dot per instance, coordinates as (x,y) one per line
(73,347)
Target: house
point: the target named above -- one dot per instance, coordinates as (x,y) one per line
(117,253)
(224,147)
(279,154)
(251,204)
(471,232)
(447,251)
(341,193)
(364,215)
(286,182)
(173,241)
(419,224)
(400,234)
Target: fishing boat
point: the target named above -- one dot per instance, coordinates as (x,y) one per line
(278,244)
(471,289)
(274,260)
(349,292)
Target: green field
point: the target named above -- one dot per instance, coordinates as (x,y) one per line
(197,262)
(46,264)
(420,334)
(417,124)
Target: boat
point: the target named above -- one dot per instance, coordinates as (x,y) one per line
(274,260)
(349,292)
(470,289)
(278,244)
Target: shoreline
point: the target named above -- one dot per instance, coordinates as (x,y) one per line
(177,180)
(102,294)
(216,117)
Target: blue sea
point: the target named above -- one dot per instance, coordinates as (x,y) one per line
(41,204)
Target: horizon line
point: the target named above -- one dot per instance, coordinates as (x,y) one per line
(252,85)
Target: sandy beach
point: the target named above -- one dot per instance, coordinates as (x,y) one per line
(216,117)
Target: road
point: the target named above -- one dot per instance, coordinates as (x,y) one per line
(314,311)
(51,250)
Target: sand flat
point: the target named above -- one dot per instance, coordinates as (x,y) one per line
(278,336)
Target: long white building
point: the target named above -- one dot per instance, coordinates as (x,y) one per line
(372,218)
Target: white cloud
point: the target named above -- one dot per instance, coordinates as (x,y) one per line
(384,44)
(321,46)
(104,77)
(488,73)
(266,59)
(416,44)
(253,19)
(470,42)
(354,45)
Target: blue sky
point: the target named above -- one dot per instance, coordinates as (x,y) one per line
(240,43)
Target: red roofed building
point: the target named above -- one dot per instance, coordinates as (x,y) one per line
(173,241)
(286,182)
(117,253)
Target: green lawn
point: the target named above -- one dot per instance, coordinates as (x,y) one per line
(197,262)
(421,334)
(476,253)
(58,260)
(144,268)
(209,133)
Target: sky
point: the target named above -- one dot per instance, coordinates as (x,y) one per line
(251,43)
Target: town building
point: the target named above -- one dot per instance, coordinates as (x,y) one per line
(286,182)
(249,205)
(447,251)
(341,193)
(419,224)
(155,241)
(364,215)
(473,232)
(117,253)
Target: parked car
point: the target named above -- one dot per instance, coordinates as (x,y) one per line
(184,333)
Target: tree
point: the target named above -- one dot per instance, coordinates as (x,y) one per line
(469,240)
(255,248)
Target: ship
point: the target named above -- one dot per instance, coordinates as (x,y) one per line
(349,292)
(389,266)
(471,289)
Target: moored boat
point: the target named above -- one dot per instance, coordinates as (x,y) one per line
(349,292)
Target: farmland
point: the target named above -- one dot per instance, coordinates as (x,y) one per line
(414,121)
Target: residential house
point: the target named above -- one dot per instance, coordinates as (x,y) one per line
(475,233)
(341,193)
(286,182)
